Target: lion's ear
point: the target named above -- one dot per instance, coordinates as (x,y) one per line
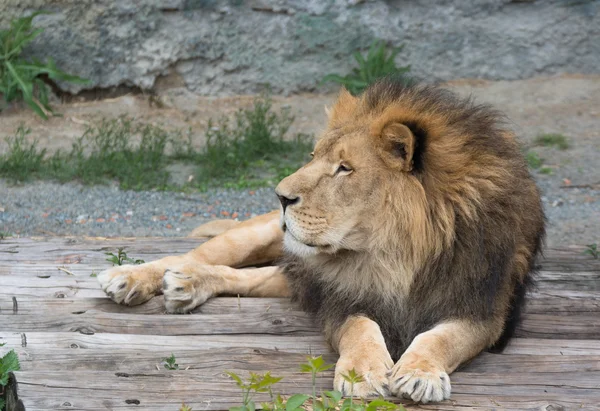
(397,144)
(343,109)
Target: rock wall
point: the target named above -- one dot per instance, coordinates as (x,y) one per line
(238,46)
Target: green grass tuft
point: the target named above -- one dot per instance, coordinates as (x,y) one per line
(552,140)
(23,159)
(592,249)
(533,160)
(379,62)
(250,151)
(122,258)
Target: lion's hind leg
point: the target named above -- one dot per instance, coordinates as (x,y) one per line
(213,228)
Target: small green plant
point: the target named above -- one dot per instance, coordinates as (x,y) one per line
(592,249)
(314,365)
(533,160)
(9,362)
(184,407)
(21,79)
(546,170)
(23,160)
(170,363)
(4,234)
(122,257)
(253,150)
(328,401)
(552,140)
(256,383)
(94,274)
(379,62)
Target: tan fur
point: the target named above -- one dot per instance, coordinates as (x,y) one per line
(213,228)
(362,348)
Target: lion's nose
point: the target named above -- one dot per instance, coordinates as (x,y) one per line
(286,201)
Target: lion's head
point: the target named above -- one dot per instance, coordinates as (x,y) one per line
(392,171)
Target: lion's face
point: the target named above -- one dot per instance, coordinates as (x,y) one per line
(331,197)
(333,202)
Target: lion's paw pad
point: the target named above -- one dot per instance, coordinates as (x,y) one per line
(421,386)
(181,294)
(123,286)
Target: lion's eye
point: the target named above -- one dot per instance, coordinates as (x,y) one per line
(312,154)
(343,168)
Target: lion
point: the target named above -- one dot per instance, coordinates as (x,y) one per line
(411,237)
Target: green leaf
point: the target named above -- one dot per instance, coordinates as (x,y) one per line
(236,377)
(295,401)
(8,363)
(346,405)
(2,404)
(380,404)
(26,88)
(334,395)
(35,107)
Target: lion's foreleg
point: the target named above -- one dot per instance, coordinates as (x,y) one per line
(422,372)
(361,347)
(256,241)
(192,285)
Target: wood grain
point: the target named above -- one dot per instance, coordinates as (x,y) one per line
(79,350)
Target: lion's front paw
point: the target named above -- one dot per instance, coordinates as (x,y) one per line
(183,292)
(419,380)
(128,284)
(372,366)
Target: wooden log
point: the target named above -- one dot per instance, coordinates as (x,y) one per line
(555,302)
(578,327)
(292,322)
(302,344)
(124,359)
(200,324)
(216,391)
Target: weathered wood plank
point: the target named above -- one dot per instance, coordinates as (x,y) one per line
(537,346)
(124,359)
(290,343)
(562,280)
(579,327)
(555,302)
(292,322)
(198,324)
(563,301)
(221,305)
(158,343)
(210,390)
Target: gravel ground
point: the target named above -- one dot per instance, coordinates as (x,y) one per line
(43,208)
(71,209)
